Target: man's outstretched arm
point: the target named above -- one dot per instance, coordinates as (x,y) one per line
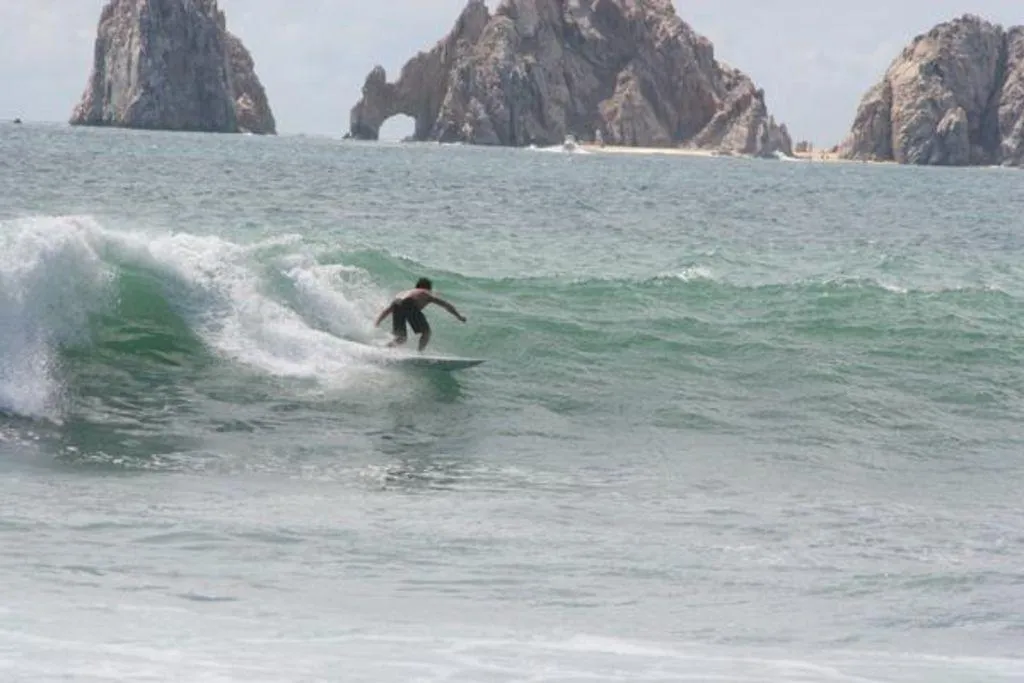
(385,313)
(448,307)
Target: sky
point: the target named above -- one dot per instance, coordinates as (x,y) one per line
(814,58)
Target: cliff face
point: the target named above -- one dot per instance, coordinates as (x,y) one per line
(955,96)
(1010,112)
(252,108)
(538,70)
(171,65)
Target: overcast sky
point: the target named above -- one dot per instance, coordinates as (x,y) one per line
(814,58)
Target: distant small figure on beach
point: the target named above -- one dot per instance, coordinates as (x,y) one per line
(408,307)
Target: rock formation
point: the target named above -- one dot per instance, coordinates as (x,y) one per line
(954,97)
(171,65)
(628,71)
(1010,112)
(252,109)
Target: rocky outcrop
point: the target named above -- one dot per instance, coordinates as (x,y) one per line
(630,72)
(252,108)
(171,65)
(953,97)
(1010,111)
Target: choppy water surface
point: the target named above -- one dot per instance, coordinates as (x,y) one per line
(740,421)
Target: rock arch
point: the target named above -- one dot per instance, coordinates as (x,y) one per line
(382,101)
(420,90)
(538,70)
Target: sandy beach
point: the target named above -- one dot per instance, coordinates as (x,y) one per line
(819,155)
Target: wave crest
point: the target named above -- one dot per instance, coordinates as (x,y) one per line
(70,283)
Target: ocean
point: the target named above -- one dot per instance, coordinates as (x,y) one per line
(739,421)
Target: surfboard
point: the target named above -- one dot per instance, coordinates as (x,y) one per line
(436,362)
(410,359)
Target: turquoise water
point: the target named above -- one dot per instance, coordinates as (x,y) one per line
(740,420)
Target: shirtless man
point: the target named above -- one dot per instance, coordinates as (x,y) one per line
(408,308)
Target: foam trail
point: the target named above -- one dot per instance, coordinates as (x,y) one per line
(221,289)
(348,313)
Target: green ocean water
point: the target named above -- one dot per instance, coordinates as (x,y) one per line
(742,420)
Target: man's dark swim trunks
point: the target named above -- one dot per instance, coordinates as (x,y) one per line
(407,311)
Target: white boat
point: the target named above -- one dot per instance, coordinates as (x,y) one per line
(568,146)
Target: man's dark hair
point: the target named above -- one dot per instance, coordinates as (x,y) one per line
(424,283)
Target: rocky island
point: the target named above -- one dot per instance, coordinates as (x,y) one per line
(172,65)
(953,97)
(628,72)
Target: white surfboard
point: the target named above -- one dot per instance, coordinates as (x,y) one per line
(436,362)
(410,359)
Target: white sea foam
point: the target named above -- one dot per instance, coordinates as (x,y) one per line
(346,311)
(221,288)
(55,272)
(51,279)
(239,652)
(694,273)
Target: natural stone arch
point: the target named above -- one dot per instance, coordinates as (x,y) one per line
(539,70)
(420,89)
(382,101)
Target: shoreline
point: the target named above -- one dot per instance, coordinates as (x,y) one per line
(816,156)
(669,151)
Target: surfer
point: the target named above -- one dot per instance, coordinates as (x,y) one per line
(408,307)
